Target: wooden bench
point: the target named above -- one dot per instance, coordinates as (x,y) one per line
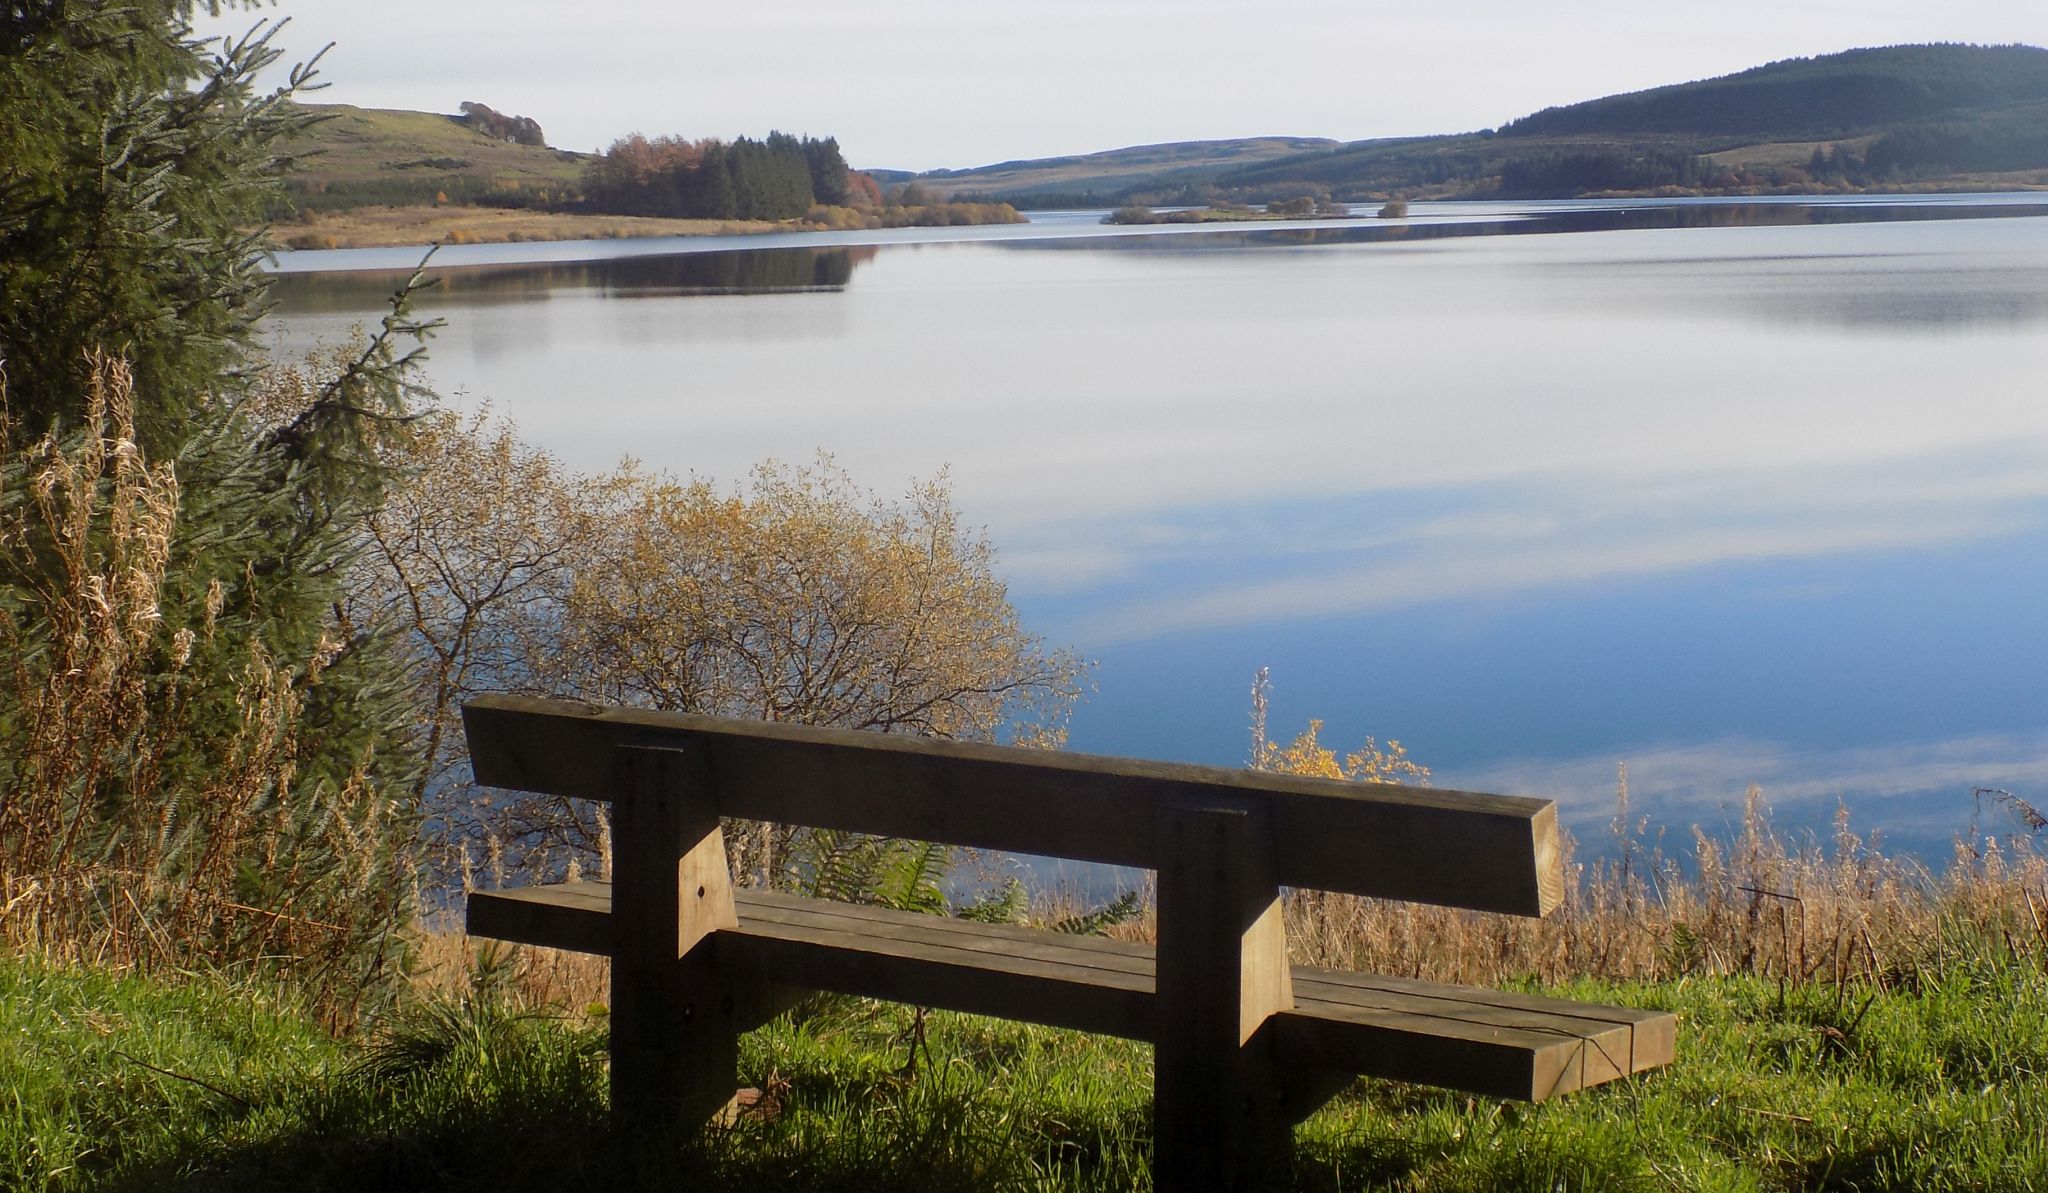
(1245,1044)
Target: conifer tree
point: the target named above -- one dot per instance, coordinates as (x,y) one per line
(133,159)
(828,171)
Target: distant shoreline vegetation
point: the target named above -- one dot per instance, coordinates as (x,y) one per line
(1306,207)
(392,177)
(780,178)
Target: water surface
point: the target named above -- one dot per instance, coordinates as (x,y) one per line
(1737,493)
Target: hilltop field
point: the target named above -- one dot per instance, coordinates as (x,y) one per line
(373,177)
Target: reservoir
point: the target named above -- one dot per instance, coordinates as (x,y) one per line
(1737,493)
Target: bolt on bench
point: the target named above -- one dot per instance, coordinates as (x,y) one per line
(1245,1044)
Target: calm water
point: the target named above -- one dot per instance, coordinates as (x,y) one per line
(1735,494)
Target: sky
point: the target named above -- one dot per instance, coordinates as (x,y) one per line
(926,84)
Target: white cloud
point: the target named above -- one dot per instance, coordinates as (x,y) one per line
(1553,533)
(1681,784)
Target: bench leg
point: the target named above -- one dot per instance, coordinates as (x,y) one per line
(674,1023)
(674,1054)
(1219,1118)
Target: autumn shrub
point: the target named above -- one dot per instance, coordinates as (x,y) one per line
(798,596)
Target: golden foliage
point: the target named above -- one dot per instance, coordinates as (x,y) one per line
(803,598)
(1306,755)
(796,597)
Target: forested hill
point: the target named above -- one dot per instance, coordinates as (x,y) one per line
(1834,95)
(1085,178)
(1896,118)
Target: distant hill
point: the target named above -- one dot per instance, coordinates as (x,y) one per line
(366,176)
(1899,117)
(1093,175)
(363,157)
(1810,99)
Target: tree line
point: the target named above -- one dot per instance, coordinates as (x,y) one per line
(781,177)
(1542,175)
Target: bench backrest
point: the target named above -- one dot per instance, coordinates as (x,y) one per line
(1453,848)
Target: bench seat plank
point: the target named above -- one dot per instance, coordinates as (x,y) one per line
(1621,1040)
(1461,1037)
(1056,987)
(1455,1039)
(565,915)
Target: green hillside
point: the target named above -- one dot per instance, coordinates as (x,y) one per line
(1093,175)
(361,157)
(1896,117)
(1808,99)
(1900,117)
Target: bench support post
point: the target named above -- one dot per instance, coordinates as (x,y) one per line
(674,1030)
(1218,1116)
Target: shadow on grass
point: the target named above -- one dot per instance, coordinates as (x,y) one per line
(474,1097)
(931,1135)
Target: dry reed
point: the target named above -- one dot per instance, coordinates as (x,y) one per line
(134,823)
(1754,904)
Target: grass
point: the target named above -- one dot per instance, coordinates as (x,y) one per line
(1934,1079)
(426,223)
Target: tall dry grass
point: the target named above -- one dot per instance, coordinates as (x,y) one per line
(1756,903)
(137,823)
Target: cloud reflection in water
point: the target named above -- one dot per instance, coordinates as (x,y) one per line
(1423,475)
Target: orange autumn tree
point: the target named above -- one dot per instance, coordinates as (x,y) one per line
(796,596)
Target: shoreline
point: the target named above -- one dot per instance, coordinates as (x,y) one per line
(419,226)
(422,225)
(390,239)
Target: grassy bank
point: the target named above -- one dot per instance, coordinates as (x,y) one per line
(420,224)
(1934,1079)
(1848,1021)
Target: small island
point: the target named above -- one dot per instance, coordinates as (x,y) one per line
(1305,207)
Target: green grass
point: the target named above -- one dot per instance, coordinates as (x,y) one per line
(1938,1082)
